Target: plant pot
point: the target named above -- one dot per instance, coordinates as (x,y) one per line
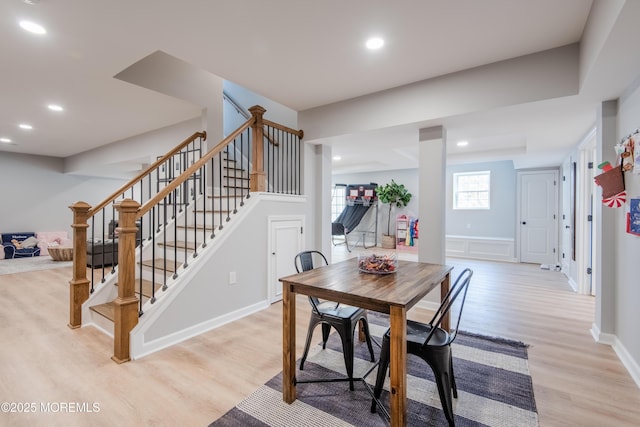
(388,241)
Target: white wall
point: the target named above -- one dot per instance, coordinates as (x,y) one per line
(627,246)
(245,98)
(37,194)
(543,75)
(498,222)
(209,295)
(127,158)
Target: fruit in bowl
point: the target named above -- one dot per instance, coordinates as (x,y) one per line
(378,264)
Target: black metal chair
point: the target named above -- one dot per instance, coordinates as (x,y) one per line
(343,318)
(433,345)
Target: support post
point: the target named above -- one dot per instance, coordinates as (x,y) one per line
(126,303)
(79,284)
(258,180)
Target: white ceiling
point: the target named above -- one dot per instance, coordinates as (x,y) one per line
(301,54)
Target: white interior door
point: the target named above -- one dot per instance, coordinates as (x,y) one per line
(538,218)
(285,242)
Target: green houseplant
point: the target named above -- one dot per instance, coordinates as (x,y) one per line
(396,194)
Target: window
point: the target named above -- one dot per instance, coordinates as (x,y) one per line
(338,200)
(471,190)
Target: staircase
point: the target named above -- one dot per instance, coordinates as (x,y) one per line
(175,210)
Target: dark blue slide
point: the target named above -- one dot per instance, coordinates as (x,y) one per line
(347,221)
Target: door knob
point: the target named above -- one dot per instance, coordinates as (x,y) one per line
(524,222)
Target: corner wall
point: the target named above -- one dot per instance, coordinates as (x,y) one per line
(627,249)
(36,193)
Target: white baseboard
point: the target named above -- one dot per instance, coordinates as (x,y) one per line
(143,348)
(486,248)
(628,361)
(621,351)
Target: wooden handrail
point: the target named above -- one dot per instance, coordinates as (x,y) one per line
(127,307)
(192,169)
(145,172)
(299,133)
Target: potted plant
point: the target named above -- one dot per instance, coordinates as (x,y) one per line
(393,194)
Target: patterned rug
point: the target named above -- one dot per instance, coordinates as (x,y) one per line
(492,375)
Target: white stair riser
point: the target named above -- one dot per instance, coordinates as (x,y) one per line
(101,322)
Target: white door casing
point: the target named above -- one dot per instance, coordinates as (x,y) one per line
(538,216)
(566,218)
(285,241)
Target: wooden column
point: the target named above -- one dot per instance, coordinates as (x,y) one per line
(258,180)
(79,284)
(126,303)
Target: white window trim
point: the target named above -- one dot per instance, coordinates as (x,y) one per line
(455,190)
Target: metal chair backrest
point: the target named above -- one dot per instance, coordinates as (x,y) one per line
(460,287)
(304,262)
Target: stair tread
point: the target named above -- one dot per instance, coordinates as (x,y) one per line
(106,310)
(146,287)
(172,265)
(180,244)
(197,227)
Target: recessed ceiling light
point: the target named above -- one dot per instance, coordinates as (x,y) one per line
(462,143)
(32,27)
(25,126)
(5,140)
(54,107)
(336,158)
(374,43)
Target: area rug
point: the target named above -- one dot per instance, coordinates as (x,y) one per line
(492,375)
(22,265)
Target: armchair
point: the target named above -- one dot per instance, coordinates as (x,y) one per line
(15,248)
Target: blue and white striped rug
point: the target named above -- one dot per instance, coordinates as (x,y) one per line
(492,375)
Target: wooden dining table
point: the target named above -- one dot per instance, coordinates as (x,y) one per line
(393,294)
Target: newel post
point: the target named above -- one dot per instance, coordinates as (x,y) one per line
(258,181)
(126,303)
(79,284)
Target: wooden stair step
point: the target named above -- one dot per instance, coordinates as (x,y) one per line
(147,285)
(231,196)
(181,244)
(217,211)
(106,310)
(197,227)
(172,265)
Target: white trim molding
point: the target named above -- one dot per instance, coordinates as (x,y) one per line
(141,348)
(621,351)
(487,248)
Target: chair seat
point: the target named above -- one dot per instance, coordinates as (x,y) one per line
(417,333)
(328,308)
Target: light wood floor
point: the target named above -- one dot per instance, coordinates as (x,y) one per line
(576,381)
